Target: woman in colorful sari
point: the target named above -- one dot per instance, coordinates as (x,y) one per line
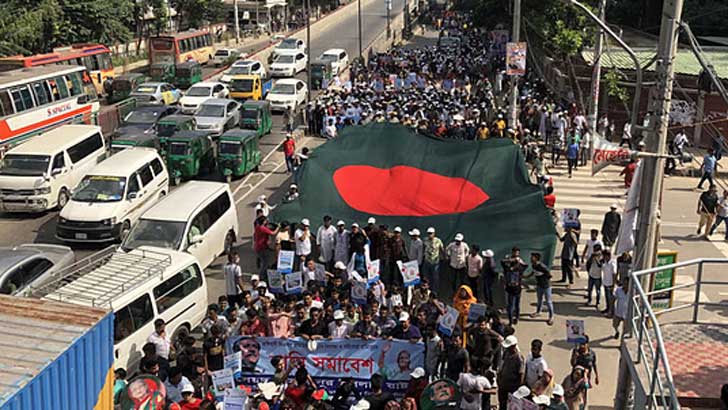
(461,302)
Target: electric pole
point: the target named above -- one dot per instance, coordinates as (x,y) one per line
(358,6)
(592,116)
(308,47)
(652,168)
(513,114)
(389,9)
(237,24)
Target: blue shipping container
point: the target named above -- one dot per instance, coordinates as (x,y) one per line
(54,355)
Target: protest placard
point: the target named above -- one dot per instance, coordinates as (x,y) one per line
(476,310)
(373,271)
(222,380)
(294,283)
(410,272)
(285,261)
(575,331)
(447,322)
(275,281)
(359,293)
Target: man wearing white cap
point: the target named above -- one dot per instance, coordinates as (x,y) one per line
(434,251)
(610,226)
(303,243)
(263,205)
(457,252)
(397,252)
(375,237)
(341,243)
(292,193)
(557,400)
(416,248)
(511,371)
(338,329)
(325,242)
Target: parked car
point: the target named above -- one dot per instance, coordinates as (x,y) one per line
(244,67)
(31,264)
(201,92)
(222,55)
(287,93)
(157,93)
(142,120)
(338,58)
(217,115)
(288,45)
(288,64)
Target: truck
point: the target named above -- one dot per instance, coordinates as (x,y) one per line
(249,87)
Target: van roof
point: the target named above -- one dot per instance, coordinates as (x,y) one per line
(56,139)
(180,204)
(118,164)
(121,274)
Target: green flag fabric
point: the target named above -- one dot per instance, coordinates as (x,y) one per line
(478,188)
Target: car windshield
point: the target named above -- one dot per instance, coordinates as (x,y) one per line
(285,59)
(222,53)
(211,110)
(166,130)
(329,57)
(145,89)
(24,165)
(100,188)
(199,92)
(244,69)
(150,232)
(283,89)
(288,44)
(227,147)
(178,148)
(142,117)
(245,85)
(250,114)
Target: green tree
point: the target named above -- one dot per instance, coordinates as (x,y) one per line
(28,27)
(105,21)
(198,13)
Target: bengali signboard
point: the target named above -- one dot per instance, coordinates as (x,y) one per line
(663,279)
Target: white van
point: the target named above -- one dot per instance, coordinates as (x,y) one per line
(199,217)
(39,174)
(112,196)
(140,287)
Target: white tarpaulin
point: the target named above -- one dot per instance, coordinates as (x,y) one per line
(626,236)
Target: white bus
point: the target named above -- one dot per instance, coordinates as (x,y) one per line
(36,99)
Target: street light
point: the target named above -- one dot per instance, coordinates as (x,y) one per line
(308,47)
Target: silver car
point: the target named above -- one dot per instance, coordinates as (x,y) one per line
(21,266)
(218,115)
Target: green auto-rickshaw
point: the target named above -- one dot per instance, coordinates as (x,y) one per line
(169,125)
(238,153)
(136,140)
(187,73)
(162,72)
(255,115)
(187,153)
(122,86)
(320,70)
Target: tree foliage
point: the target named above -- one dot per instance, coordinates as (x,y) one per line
(198,13)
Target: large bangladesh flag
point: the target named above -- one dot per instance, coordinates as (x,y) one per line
(478,188)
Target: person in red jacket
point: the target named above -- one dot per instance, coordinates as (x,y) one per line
(289,150)
(628,173)
(261,240)
(189,401)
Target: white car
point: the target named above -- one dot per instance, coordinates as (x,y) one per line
(287,93)
(200,92)
(288,45)
(288,65)
(338,57)
(247,67)
(222,55)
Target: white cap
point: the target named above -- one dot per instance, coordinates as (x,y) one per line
(262,284)
(294,186)
(305,222)
(417,373)
(361,405)
(403,316)
(558,390)
(510,341)
(430,230)
(371,220)
(415,232)
(312,345)
(542,399)
(397,229)
(488,253)
(187,388)
(458,237)
(355,225)
(254,277)
(614,206)
(338,314)
(522,392)
(340,265)
(340,223)
(269,390)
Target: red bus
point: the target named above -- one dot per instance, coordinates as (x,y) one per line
(178,48)
(95,57)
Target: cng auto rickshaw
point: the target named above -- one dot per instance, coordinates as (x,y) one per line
(162,72)
(187,73)
(238,153)
(320,70)
(187,153)
(167,126)
(137,140)
(255,115)
(123,85)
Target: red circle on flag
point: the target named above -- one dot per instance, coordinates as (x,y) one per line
(405,191)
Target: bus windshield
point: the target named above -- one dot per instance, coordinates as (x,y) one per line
(24,165)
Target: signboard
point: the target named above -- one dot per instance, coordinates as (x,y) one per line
(275,281)
(447,322)
(663,279)
(575,331)
(570,218)
(516,58)
(607,153)
(410,272)
(476,310)
(359,293)
(222,380)
(294,283)
(285,261)
(331,361)
(373,271)
(234,399)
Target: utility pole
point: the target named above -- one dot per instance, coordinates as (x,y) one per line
(237,24)
(593,114)
(652,168)
(389,9)
(516,36)
(308,47)
(358,15)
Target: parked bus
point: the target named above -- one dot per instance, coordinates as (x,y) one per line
(36,99)
(180,47)
(95,57)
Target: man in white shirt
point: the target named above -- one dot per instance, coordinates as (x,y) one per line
(416,248)
(591,243)
(341,243)
(620,306)
(473,385)
(233,279)
(325,242)
(302,237)
(457,253)
(338,329)
(330,129)
(160,339)
(609,278)
(535,363)
(174,384)
(626,135)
